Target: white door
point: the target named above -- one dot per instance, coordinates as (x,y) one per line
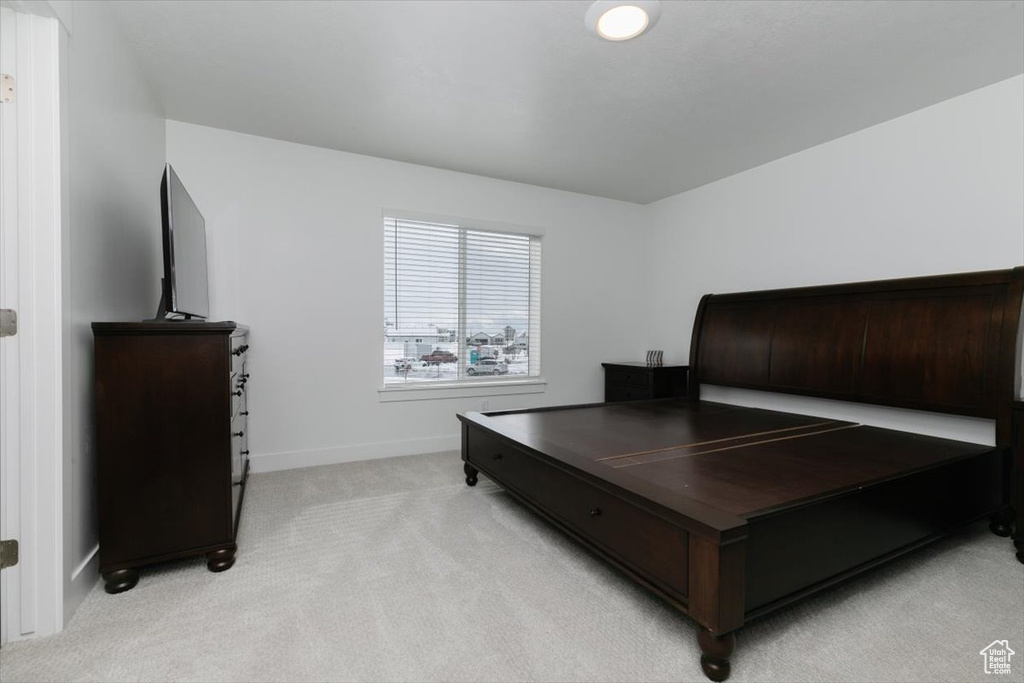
(10,527)
(30,362)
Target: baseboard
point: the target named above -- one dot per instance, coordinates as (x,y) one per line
(84,564)
(273,462)
(81,582)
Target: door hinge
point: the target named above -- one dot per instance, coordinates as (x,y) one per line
(8,553)
(8,322)
(6,88)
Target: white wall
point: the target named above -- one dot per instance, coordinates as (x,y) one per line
(111,246)
(296,252)
(940,190)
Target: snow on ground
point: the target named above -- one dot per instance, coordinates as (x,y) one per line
(444,372)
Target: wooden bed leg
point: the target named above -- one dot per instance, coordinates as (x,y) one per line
(471,473)
(120,580)
(221,560)
(715,651)
(1001,522)
(1018,542)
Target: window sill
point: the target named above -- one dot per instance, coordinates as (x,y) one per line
(462,390)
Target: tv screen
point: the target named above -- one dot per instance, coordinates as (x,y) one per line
(185,288)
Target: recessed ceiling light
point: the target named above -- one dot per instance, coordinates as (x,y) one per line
(619,20)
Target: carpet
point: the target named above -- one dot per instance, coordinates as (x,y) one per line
(395,570)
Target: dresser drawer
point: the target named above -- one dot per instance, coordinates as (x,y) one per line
(237,389)
(239,453)
(236,510)
(645,542)
(239,353)
(239,448)
(631,378)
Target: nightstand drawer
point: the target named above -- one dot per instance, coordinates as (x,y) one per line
(632,378)
(638,381)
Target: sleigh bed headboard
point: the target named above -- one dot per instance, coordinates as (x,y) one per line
(946,343)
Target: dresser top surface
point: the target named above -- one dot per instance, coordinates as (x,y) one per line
(169,327)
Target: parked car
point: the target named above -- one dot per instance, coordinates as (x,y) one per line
(487,366)
(438,356)
(402,364)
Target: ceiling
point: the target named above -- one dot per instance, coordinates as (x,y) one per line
(521,91)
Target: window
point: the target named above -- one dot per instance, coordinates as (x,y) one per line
(474,295)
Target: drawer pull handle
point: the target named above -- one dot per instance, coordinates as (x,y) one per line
(244,412)
(245,452)
(595,512)
(238,434)
(498,456)
(236,393)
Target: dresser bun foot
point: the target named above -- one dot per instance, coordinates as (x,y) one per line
(1001,522)
(471,473)
(716,650)
(221,560)
(120,580)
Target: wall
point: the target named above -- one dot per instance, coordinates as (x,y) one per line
(940,190)
(111,258)
(296,252)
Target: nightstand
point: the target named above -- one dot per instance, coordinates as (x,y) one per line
(639,381)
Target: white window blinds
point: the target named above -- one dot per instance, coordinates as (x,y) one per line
(460,304)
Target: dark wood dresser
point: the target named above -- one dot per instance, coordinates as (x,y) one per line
(172,443)
(639,381)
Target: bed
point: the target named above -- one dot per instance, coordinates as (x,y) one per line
(728,512)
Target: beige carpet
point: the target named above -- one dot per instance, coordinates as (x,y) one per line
(394,570)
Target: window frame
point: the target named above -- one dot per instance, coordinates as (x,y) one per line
(465,387)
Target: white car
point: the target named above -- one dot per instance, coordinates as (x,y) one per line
(402,364)
(487,366)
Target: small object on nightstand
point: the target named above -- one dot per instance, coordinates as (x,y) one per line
(655,357)
(642,381)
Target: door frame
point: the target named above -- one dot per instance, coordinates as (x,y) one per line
(31,390)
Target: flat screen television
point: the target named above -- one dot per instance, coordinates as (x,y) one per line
(185,287)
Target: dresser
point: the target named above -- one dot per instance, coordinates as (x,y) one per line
(171,443)
(639,381)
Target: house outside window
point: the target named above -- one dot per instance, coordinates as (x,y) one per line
(461,304)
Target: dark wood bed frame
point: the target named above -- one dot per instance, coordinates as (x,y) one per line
(729,513)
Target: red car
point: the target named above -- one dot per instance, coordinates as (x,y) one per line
(437,356)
